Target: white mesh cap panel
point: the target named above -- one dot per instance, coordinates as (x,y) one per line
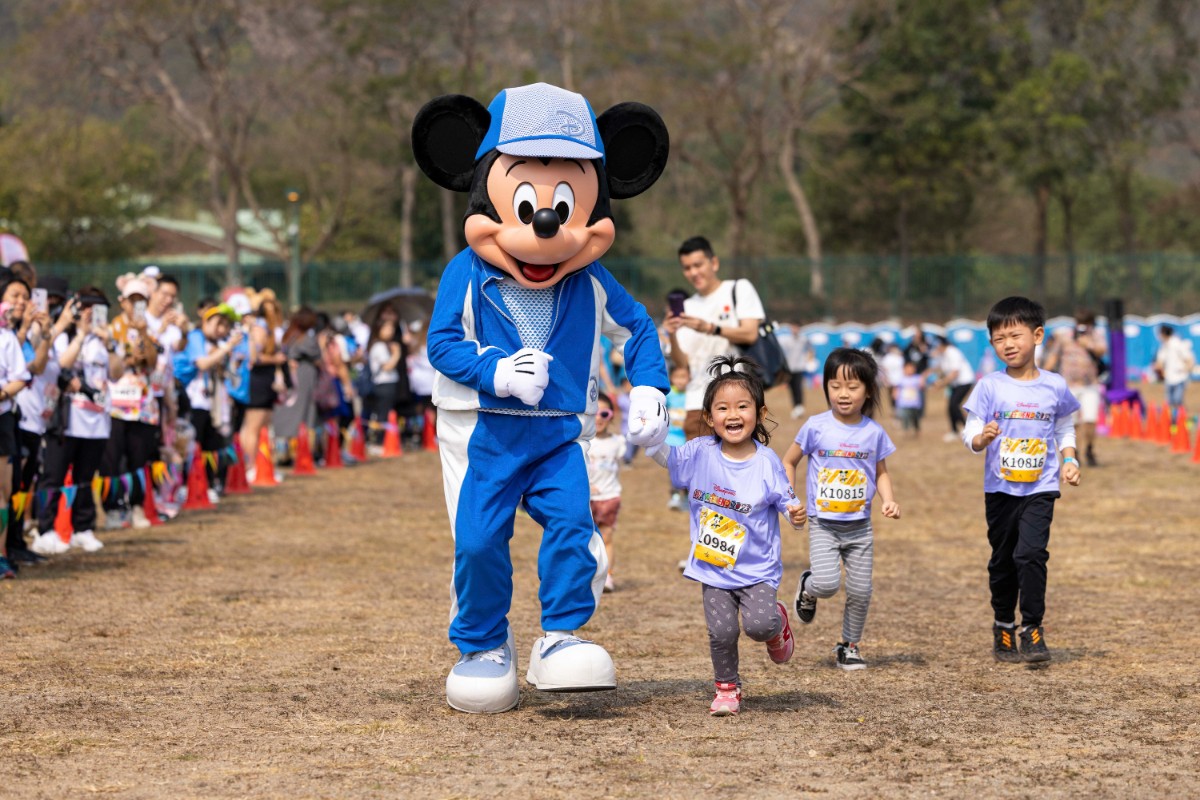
(543,120)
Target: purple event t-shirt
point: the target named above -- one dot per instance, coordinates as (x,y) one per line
(734,508)
(1023,459)
(841,465)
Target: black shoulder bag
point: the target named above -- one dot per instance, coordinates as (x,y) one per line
(766,351)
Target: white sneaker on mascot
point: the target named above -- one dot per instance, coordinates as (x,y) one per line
(485,682)
(562,662)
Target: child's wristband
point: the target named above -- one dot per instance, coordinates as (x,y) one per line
(1071,460)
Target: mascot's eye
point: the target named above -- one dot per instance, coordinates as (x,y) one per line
(564,202)
(525,202)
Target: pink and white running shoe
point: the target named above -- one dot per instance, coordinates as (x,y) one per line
(780,648)
(728,700)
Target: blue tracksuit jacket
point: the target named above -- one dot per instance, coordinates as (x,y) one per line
(493,461)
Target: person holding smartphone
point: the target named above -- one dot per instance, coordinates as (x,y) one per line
(134,410)
(14,376)
(720,317)
(36,404)
(81,423)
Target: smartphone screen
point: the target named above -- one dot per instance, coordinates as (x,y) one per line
(99,316)
(41,300)
(139,311)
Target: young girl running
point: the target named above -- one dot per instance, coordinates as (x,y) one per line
(846,449)
(736,489)
(605,454)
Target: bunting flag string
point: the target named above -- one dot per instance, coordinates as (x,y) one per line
(70,492)
(19,500)
(107,489)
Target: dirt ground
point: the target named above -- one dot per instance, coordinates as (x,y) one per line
(293,644)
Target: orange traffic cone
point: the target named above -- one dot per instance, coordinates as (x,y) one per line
(62,521)
(1102,420)
(1153,426)
(1180,442)
(1164,423)
(1136,430)
(333,445)
(148,506)
(304,458)
(264,465)
(235,478)
(391,437)
(358,441)
(197,485)
(429,431)
(1116,429)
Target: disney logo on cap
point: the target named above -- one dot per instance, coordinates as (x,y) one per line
(570,126)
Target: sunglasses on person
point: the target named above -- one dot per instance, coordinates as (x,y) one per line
(604,413)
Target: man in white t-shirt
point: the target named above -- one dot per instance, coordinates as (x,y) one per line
(957,373)
(712,324)
(1174,363)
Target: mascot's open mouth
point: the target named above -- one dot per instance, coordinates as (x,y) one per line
(536,273)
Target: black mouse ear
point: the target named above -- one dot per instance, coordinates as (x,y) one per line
(445,135)
(635,148)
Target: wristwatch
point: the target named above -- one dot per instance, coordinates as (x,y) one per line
(716,330)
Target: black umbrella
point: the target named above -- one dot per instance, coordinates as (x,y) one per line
(410,304)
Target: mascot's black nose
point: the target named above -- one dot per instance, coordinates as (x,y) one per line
(545,223)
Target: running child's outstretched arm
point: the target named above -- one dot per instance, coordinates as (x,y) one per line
(883,485)
(798,514)
(791,459)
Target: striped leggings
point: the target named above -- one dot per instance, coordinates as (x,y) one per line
(830,544)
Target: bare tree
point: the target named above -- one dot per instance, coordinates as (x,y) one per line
(801,52)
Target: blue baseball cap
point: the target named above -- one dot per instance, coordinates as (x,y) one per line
(542,121)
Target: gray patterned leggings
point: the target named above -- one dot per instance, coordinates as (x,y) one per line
(760,618)
(830,544)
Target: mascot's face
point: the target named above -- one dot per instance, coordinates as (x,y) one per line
(544,207)
(539,172)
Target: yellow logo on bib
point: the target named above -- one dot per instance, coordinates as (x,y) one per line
(1022,460)
(720,539)
(841,491)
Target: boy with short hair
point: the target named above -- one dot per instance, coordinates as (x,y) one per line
(1021,417)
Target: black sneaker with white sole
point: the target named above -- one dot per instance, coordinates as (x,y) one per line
(806,605)
(1004,644)
(848,657)
(1033,645)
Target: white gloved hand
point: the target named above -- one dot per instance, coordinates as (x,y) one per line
(647,416)
(523,375)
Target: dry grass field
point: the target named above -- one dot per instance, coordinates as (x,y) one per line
(292,644)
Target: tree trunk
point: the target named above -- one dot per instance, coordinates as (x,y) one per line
(1041,199)
(902,235)
(1123,189)
(224,204)
(737,222)
(451,225)
(1067,202)
(408,201)
(812,236)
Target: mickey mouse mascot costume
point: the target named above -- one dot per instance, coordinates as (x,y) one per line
(515,340)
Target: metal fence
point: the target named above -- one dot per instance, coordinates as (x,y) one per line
(857,287)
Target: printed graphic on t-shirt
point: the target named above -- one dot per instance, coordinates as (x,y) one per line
(841,491)
(1022,460)
(720,539)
